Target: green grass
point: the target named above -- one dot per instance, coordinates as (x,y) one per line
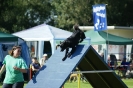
(128,82)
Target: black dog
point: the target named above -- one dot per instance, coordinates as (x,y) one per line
(71,42)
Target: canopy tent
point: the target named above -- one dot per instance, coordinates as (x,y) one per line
(5,37)
(101,37)
(7,41)
(43,33)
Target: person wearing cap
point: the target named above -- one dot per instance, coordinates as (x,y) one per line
(43,60)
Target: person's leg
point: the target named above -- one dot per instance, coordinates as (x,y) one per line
(18,85)
(6,85)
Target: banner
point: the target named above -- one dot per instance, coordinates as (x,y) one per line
(99,17)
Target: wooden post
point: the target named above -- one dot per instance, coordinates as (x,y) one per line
(30,71)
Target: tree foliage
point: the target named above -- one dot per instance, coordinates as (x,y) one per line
(69,12)
(17,15)
(120,13)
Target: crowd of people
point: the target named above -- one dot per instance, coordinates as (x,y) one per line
(124,65)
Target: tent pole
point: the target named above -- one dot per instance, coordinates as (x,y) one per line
(106,60)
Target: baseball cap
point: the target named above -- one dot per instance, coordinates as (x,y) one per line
(45,55)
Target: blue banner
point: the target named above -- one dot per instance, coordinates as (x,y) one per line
(99,17)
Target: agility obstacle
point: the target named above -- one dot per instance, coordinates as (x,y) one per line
(95,71)
(86,59)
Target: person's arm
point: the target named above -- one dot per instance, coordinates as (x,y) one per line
(2,69)
(20,69)
(42,62)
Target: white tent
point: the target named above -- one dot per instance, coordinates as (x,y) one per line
(43,33)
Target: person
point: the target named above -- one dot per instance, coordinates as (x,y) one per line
(125,66)
(113,61)
(35,65)
(43,60)
(15,66)
(102,55)
(131,63)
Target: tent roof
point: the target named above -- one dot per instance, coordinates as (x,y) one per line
(101,37)
(5,37)
(59,33)
(42,32)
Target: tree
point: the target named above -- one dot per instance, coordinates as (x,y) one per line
(70,12)
(120,13)
(17,15)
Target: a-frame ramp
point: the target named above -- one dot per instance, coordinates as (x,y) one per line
(56,72)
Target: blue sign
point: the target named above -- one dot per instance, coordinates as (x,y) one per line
(99,17)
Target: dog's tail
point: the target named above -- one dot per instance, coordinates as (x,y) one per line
(57,46)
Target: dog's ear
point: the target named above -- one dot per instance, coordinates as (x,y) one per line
(57,46)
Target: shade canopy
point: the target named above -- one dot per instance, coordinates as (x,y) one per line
(5,37)
(101,37)
(42,32)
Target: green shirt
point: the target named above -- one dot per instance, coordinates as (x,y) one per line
(12,75)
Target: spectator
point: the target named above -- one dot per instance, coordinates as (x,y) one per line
(15,66)
(102,55)
(35,65)
(43,60)
(131,63)
(125,66)
(113,61)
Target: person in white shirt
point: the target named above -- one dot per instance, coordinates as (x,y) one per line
(43,59)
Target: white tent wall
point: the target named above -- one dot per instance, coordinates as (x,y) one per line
(128,52)
(36,49)
(30,45)
(40,49)
(52,42)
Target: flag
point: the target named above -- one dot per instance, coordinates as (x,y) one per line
(99,17)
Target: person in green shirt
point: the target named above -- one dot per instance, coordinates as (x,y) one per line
(15,66)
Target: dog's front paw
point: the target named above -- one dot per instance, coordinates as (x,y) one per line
(64,59)
(69,54)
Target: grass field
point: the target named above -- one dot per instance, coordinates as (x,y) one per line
(128,82)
